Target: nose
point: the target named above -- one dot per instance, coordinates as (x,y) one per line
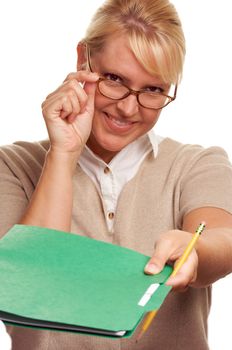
(128,106)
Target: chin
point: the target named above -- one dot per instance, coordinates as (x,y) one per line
(110,147)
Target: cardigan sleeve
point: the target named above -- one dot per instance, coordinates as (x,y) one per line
(13,198)
(206,181)
(20,168)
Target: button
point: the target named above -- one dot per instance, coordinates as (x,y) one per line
(111,216)
(106,170)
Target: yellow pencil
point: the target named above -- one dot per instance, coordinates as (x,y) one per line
(150,316)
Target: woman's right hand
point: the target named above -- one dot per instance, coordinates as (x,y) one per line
(68,112)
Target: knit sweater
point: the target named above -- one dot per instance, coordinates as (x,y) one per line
(180,179)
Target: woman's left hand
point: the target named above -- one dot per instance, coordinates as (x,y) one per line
(168,249)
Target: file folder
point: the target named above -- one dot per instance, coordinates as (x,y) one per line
(62,281)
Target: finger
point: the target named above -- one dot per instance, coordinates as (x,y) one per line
(87,104)
(53,106)
(82,76)
(162,253)
(84,105)
(73,80)
(179,282)
(90,90)
(75,93)
(76,109)
(67,109)
(60,106)
(74,90)
(186,275)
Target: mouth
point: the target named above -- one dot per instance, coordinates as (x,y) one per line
(118,123)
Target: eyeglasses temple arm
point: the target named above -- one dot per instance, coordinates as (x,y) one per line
(88,58)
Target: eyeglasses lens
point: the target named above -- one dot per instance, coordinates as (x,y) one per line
(117,91)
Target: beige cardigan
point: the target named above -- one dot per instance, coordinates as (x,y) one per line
(180,179)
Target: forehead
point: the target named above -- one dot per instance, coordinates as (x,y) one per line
(117,56)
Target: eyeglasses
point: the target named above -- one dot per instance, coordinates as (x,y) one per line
(118,91)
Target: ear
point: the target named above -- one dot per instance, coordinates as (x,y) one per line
(81,56)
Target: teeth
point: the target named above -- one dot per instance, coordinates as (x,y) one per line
(120,122)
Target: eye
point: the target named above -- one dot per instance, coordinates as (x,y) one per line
(112,77)
(155,89)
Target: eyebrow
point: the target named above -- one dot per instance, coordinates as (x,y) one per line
(119,74)
(128,81)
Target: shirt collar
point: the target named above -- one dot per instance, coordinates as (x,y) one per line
(151,137)
(155,141)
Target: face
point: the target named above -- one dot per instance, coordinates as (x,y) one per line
(118,123)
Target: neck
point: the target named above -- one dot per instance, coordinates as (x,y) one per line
(99,151)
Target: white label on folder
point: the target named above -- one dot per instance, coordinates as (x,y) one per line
(148,294)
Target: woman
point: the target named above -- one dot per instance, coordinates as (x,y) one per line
(106,175)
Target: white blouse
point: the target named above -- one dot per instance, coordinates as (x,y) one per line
(110,178)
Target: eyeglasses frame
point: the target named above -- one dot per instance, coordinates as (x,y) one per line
(130,91)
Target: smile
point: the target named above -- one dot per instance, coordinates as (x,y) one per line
(118,124)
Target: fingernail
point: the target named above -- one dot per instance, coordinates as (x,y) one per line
(95,75)
(152,268)
(169,282)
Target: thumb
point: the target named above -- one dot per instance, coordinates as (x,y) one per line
(90,89)
(158,259)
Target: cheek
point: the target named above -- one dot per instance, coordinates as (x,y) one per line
(100,101)
(151,117)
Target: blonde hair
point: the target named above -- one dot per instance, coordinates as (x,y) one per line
(153,29)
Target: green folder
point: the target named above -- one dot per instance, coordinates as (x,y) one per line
(56,280)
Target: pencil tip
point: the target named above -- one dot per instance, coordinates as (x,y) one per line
(201,227)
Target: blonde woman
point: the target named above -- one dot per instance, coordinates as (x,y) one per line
(105,174)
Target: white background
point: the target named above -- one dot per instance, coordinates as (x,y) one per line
(38,41)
